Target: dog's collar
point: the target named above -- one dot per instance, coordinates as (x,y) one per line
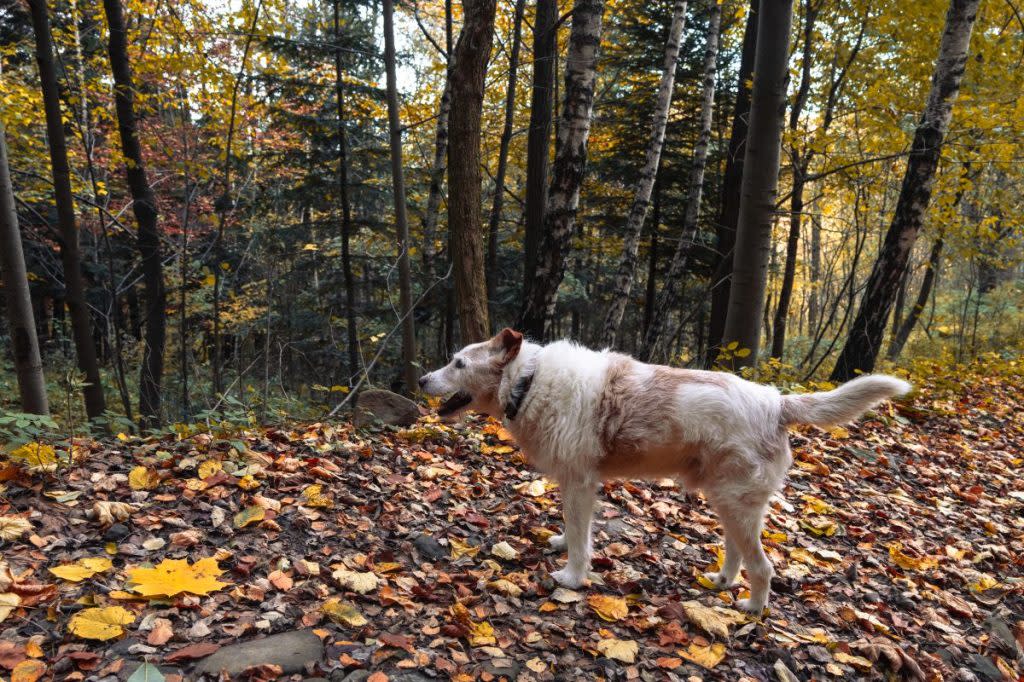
(517,395)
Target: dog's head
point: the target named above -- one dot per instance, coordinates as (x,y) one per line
(471,379)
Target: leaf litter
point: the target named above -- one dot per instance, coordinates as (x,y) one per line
(898,546)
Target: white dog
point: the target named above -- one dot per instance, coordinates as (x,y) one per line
(582,416)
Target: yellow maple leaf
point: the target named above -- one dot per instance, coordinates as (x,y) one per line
(481,634)
(175,576)
(36,456)
(315,497)
(704,656)
(82,569)
(100,623)
(248,482)
(624,650)
(344,613)
(143,478)
(13,527)
(209,468)
(609,608)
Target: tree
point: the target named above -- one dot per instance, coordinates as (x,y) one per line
(506,140)
(20,320)
(409,373)
(760,180)
(538,141)
(865,338)
(694,189)
(725,228)
(570,165)
(645,184)
(346,208)
(74,298)
(144,206)
(469,66)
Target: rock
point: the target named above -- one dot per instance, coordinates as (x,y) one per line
(354,676)
(429,548)
(985,667)
(118,531)
(390,408)
(290,650)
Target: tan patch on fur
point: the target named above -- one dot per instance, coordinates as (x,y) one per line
(638,437)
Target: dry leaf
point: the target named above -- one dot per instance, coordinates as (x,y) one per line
(343,613)
(82,569)
(704,656)
(36,456)
(608,607)
(13,527)
(315,497)
(460,548)
(905,561)
(624,650)
(209,468)
(503,550)
(356,581)
(714,621)
(175,576)
(8,602)
(251,514)
(565,596)
(142,478)
(161,632)
(28,671)
(107,513)
(281,580)
(100,623)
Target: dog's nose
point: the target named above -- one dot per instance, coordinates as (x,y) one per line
(423,381)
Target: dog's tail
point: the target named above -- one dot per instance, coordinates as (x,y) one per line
(843,404)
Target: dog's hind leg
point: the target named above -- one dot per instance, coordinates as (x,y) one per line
(577,510)
(742,517)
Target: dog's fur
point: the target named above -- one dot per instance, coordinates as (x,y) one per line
(590,416)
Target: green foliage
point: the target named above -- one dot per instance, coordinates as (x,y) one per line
(18,428)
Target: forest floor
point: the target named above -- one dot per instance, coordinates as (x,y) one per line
(421,554)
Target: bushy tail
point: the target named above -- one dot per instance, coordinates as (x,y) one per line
(843,404)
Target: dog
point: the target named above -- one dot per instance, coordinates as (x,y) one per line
(582,416)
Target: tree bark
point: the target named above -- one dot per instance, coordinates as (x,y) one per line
(81,325)
(469,66)
(652,262)
(670,287)
(506,140)
(346,208)
(409,373)
(931,272)
(865,337)
(144,206)
(570,165)
(24,344)
(437,172)
(725,230)
(645,184)
(760,181)
(538,142)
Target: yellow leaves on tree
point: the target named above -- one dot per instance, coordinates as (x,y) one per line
(82,569)
(175,576)
(100,623)
(609,608)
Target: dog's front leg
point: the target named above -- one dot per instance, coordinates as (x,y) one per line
(577,510)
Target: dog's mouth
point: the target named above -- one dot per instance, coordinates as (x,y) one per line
(455,403)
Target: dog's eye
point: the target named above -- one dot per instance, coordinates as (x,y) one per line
(459,364)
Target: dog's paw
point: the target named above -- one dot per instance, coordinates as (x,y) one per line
(719,579)
(751,608)
(557,542)
(567,578)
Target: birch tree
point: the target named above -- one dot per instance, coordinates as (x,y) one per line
(865,338)
(645,184)
(569,167)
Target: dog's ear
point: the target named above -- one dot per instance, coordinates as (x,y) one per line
(508,342)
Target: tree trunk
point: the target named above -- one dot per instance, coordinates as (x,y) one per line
(437,172)
(760,181)
(865,338)
(409,373)
(670,287)
(346,208)
(642,196)
(81,325)
(725,230)
(469,66)
(931,272)
(506,140)
(538,142)
(24,344)
(144,206)
(652,262)
(813,303)
(570,165)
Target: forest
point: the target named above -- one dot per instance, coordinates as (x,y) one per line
(222,222)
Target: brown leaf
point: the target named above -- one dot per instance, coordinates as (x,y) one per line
(192,652)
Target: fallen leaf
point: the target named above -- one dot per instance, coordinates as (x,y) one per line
(344,613)
(714,621)
(460,548)
(564,596)
(281,580)
(143,478)
(503,550)
(13,527)
(251,514)
(911,563)
(100,623)
(8,602)
(146,672)
(192,652)
(107,513)
(609,608)
(28,671)
(704,656)
(624,650)
(39,456)
(82,569)
(175,576)
(315,497)
(209,468)
(361,582)
(858,662)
